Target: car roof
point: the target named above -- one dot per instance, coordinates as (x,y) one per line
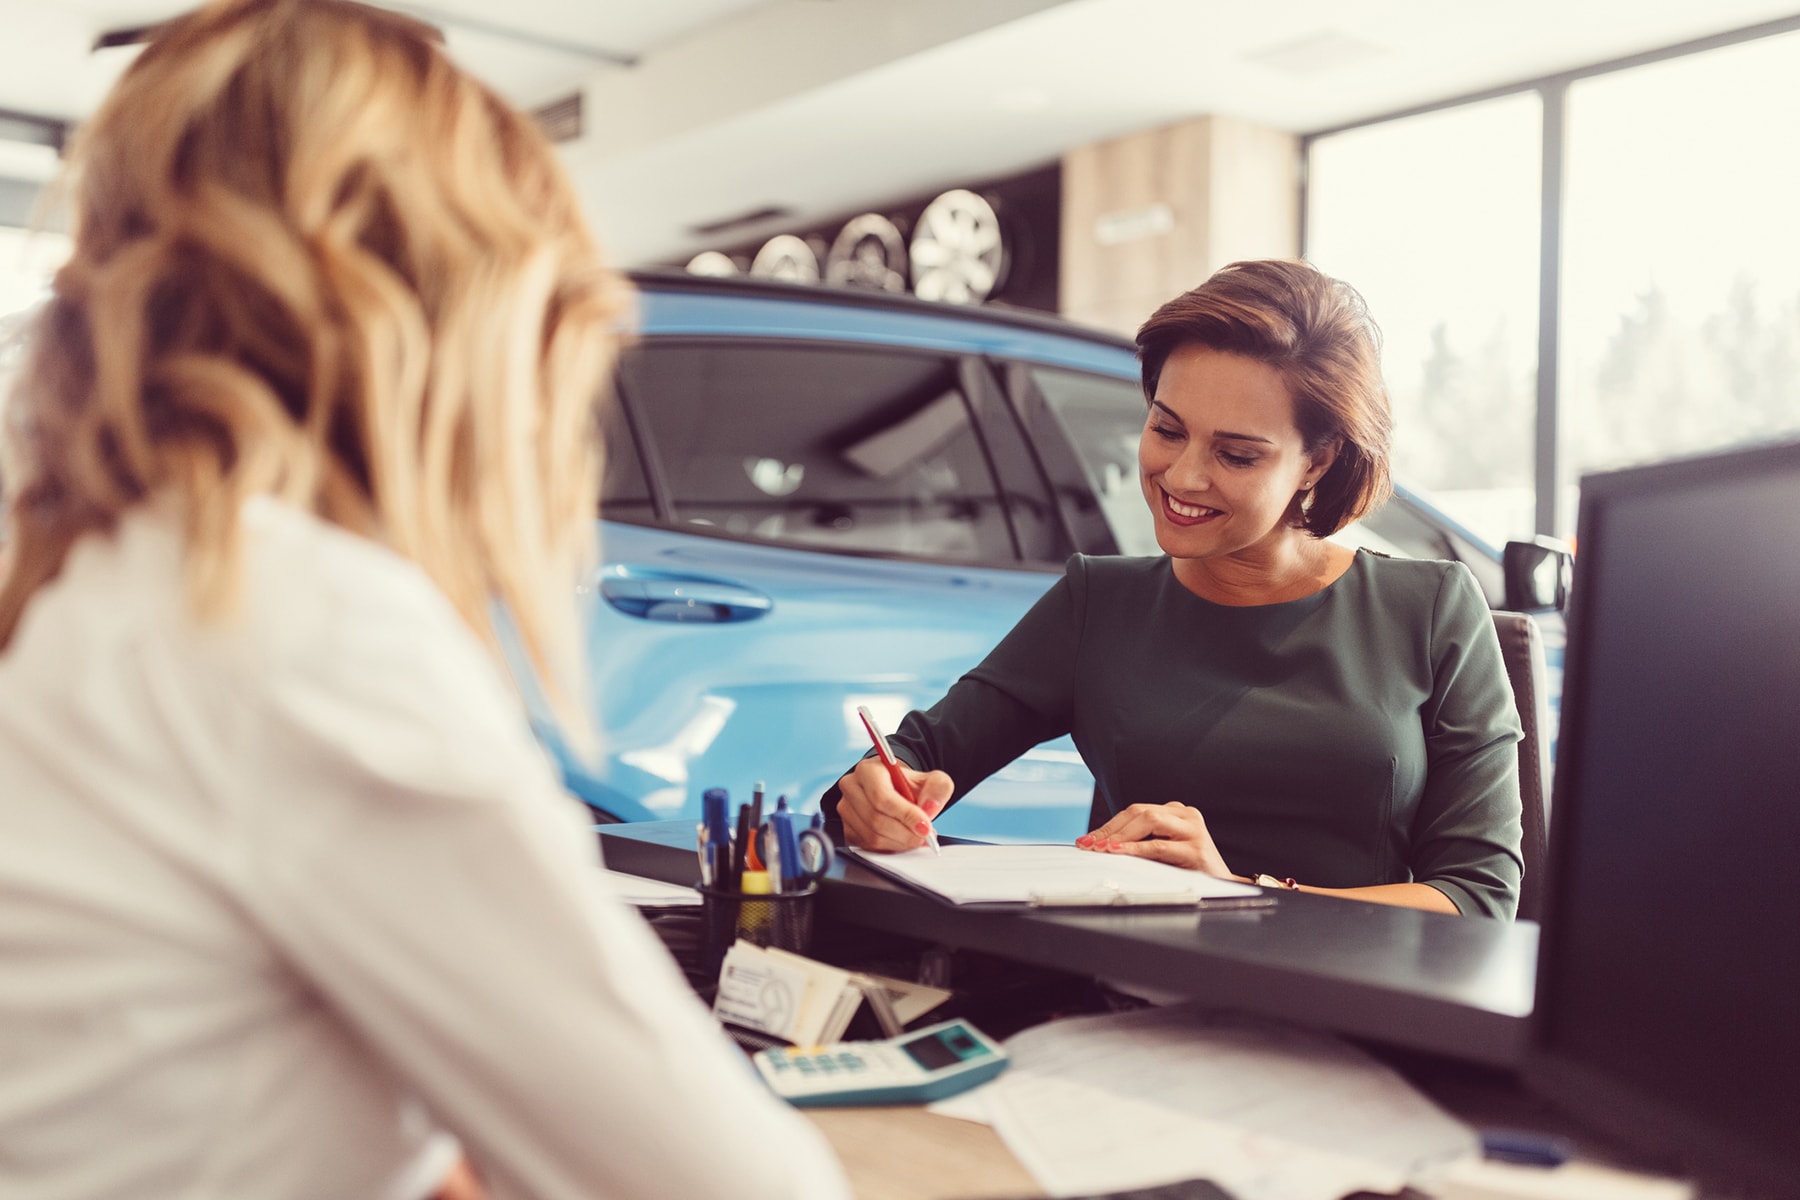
(673,303)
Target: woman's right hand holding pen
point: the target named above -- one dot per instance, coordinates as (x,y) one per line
(877,817)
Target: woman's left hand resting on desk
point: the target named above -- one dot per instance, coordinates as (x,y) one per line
(1175,833)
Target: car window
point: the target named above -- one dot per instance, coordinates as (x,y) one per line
(839,448)
(1397,530)
(624,490)
(1402,530)
(1103,418)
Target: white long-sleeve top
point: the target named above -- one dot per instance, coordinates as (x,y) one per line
(288,901)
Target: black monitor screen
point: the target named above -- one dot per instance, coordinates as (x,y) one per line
(1668,1006)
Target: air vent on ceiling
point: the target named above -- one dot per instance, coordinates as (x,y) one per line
(1316,53)
(561,119)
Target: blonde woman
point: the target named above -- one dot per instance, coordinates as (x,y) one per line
(291,905)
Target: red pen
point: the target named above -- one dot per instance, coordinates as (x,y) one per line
(897,773)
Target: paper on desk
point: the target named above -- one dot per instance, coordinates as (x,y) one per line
(964,1106)
(759,991)
(650,893)
(1479,1179)
(1052,875)
(1124,1100)
(910,1000)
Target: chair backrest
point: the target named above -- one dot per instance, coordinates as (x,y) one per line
(1522,646)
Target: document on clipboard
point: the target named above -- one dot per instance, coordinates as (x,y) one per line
(1011,876)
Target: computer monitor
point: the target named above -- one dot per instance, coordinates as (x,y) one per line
(1668,995)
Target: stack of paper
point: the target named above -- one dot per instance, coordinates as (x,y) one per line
(650,893)
(1137,1099)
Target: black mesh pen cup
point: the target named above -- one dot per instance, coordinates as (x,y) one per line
(783,920)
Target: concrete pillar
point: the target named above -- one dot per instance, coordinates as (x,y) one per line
(1149,215)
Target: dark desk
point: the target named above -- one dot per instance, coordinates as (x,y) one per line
(1424,981)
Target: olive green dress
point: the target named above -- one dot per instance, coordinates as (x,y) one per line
(1362,735)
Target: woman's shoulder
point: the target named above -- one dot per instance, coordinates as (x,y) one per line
(1422,593)
(295,560)
(1100,583)
(319,594)
(1425,578)
(1117,570)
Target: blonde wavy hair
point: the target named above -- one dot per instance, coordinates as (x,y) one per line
(315,260)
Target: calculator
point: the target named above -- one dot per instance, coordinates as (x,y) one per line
(927,1064)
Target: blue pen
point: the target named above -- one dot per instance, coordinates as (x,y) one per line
(716,857)
(783,823)
(1527,1148)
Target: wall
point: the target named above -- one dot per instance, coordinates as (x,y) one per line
(1150,215)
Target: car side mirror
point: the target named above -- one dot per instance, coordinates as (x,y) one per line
(1537,574)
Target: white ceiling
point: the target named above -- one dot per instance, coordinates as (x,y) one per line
(698,110)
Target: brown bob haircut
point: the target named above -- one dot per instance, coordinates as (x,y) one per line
(1316,331)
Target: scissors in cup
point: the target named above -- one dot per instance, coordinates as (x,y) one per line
(800,857)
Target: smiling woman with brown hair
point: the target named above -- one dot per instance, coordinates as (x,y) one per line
(291,903)
(1257,702)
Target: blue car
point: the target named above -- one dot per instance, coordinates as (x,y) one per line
(822,499)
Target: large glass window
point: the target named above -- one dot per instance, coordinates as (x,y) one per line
(27,261)
(841,449)
(1681,276)
(1434,219)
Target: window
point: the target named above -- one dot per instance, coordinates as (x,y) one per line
(27,262)
(1681,311)
(842,449)
(1434,219)
(1678,319)
(1102,419)
(624,489)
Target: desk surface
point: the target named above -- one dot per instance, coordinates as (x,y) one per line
(910,1154)
(1457,986)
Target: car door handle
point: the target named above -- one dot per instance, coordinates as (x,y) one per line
(660,597)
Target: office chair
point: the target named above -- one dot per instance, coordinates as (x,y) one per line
(1522,646)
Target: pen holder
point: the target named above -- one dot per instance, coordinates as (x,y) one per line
(783,920)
